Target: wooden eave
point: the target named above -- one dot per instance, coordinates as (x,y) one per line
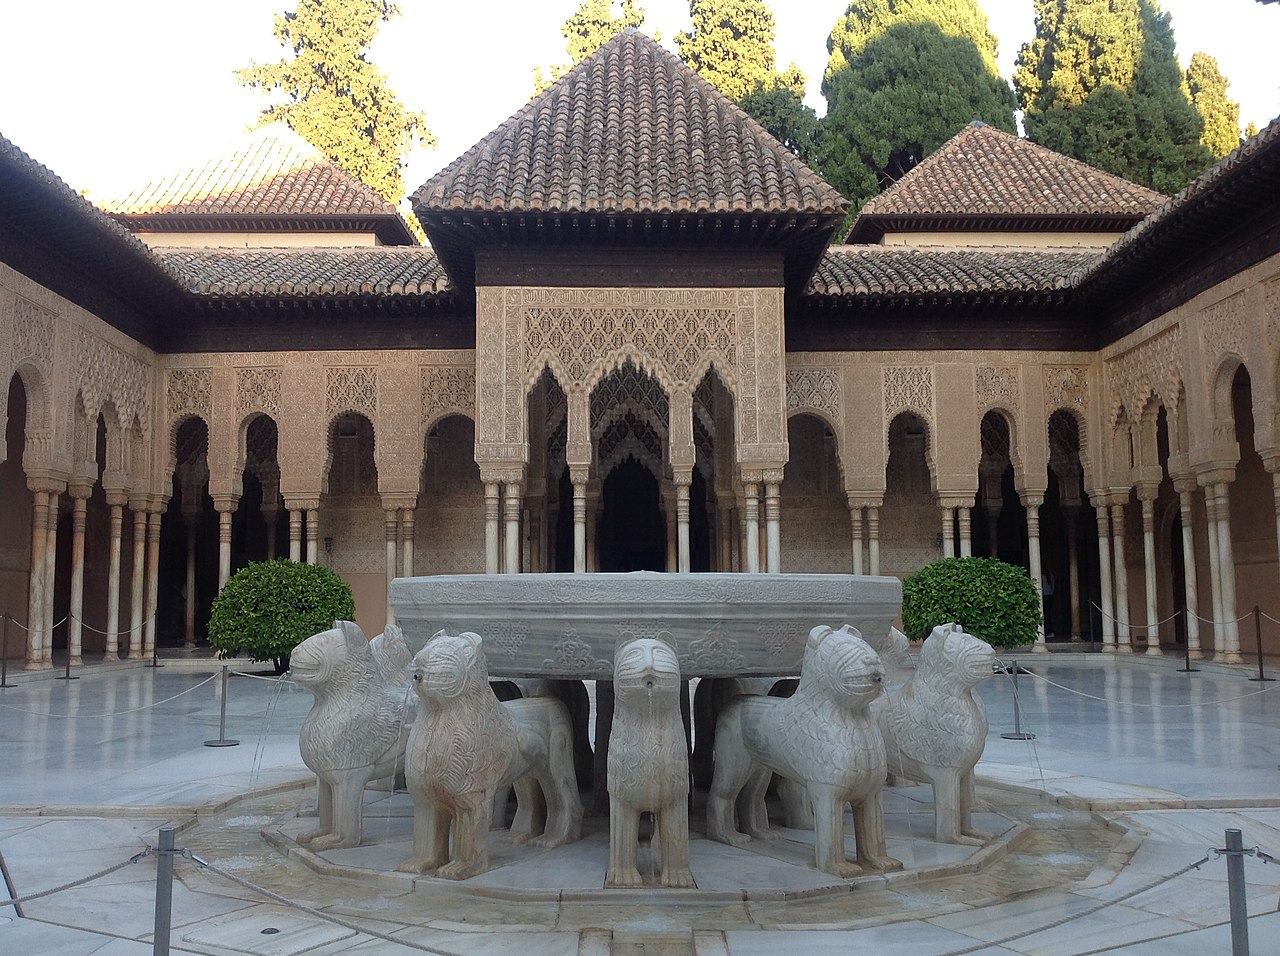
(872,228)
(391,230)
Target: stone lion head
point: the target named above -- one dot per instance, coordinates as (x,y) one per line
(965,657)
(449,665)
(645,665)
(325,656)
(840,664)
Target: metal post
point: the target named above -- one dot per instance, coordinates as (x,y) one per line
(1257,630)
(164,892)
(1236,894)
(66,674)
(1017,712)
(4,654)
(222,740)
(1186,649)
(155,660)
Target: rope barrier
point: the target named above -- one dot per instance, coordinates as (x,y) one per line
(1205,620)
(274,680)
(89,627)
(1130,703)
(1171,617)
(74,883)
(28,630)
(117,713)
(1269,617)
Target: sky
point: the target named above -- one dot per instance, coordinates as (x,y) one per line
(111,94)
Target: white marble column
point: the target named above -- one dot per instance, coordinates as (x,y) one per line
(511,503)
(1108,608)
(153,579)
(683,562)
(773,524)
(855,529)
(191,520)
(751,492)
(873,537)
(138,579)
(1226,558)
(1073,568)
(1147,498)
(313,533)
(36,588)
(1186,486)
(1122,578)
(269,518)
(115,500)
(295,534)
(965,518)
(79,513)
(1215,573)
(579,523)
(225,506)
(391,534)
(406,542)
(724,533)
(50,577)
(1032,504)
(492,512)
(948,532)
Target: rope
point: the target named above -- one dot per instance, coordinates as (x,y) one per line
(74,883)
(1205,620)
(1171,617)
(116,713)
(28,630)
(318,914)
(89,627)
(1131,703)
(1074,916)
(1269,617)
(274,680)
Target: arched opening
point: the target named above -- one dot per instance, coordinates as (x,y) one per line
(1068,539)
(188,573)
(712,528)
(1253,522)
(15,517)
(816,533)
(632,533)
(910,519)
(260,526)
(352,532)
(449,521)
(1000,519)
(548,505)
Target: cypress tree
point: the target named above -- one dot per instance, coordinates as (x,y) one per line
(1221,116)
(731,46)
(587,29)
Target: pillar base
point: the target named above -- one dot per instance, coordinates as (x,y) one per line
(1040,647)
(1154,650)
(1108,648)
(1197,654)
(40,665)
(1231,657)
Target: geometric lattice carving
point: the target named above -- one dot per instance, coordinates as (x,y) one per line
(351,388)
(190,390)
(33,333)
(258,389)
(1224,325)
(1271,302)
(631,388)
(908,387)
(814,388)
(447,389)
(1066,385)
(1154,366)
(997,387)
(109,373)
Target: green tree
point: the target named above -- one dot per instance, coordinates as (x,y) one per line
(1250,131)
(783,113)
(1221,116)
(336,99)
(731,46)
(903,77)
(589,28)
(1100,82)
(991,600)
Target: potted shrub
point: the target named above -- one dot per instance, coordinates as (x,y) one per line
(990,599)
(267,609)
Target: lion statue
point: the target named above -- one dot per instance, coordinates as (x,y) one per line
(824,738)
(467,746)
(935,728)
(357,727)
(648,768)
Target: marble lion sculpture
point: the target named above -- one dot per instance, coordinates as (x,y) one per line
(467,746)
(648,767)
(822,737)
(357,727)
(935,727)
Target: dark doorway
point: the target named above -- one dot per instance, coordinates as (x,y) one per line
(632,535)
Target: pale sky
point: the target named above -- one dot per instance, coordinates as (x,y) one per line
(110,94)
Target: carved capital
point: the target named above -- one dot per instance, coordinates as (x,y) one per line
(226,503)
(47,482)
(80,488)
(301,504)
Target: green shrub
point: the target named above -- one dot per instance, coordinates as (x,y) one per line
(266,610)
(990,599)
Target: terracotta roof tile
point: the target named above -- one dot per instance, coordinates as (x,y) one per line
(899,270)
(631,129)
(985,173)
(293,273)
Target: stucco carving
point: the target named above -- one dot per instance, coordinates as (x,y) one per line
(357,726)
(1065,386)
(997,387)
(935,727)
(1153,366)
(109,373)
(352,389)
(258,389)
(468,746)
(814,388)
(447,389)
(824,738)
(190,390)
(33,330)
(1224,327)
(1271,302)
(648,763)
(908,388)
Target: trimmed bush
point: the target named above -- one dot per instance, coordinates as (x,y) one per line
(268,609)
(990,599)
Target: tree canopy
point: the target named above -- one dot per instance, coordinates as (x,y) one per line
(731,46)
(782,112)
(903,77)
(586,30)
(334,97)
(1221,116)
(1100,82)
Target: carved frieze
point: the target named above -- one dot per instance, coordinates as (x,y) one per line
(33,334)
(816,388)
(1066,386)
(352,388)
(908,388)
(1154,366)
(447,388)
(997,387)
(258,389)
(109,373)
(190,390)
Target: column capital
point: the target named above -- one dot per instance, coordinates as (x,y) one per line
(1148,491)
(494,474)
(80,488)
(1031,500)
(955,501)
(46,482)
(857,499)
(225,504)
(395,502)
(117,497)
(1215,473)
(301,504)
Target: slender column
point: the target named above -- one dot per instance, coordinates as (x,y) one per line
(683,562)
(1033,503)
(724,535)
(226,507)
(116,500)
(50,577)
(1108,608)
(855,528)
(269,516)
(491,513)
(752,494)
(1073,569)
(742,538)
(80,503)
(391,529)
(873,537)
(773,525)
(579,524)
(1122,578)
(1215,573)
(511,502)
(36,589)
(966,531)
(1227,559)
(1186,486)
(1147,498)
(313,534)
(153,578)
(406,542)
(993,531)
(138,580)
(191,519)
(948,532)
(295,534)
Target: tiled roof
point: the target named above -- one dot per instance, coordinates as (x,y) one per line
(308,273)
(899,270)
(984,173)
(631,129)
(273,175)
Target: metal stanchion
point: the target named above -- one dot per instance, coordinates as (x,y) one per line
(1186,648)
(164,892)
(1257,630)
(222,740)
(66,674)
(4,654)
(155,661)
(1234,853)
(1017,712)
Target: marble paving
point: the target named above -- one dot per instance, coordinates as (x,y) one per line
(1134,773)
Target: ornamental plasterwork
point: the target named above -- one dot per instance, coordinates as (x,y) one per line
(815,388)
(447,388)
(258,389)
(1271,302)
(190,390)
(997,387)
(1066,386)
(352,389)
(908,388)
(33,334)
(1224,327)
(110,373)
(1153,366)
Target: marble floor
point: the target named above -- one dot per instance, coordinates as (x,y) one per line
(1134,773)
